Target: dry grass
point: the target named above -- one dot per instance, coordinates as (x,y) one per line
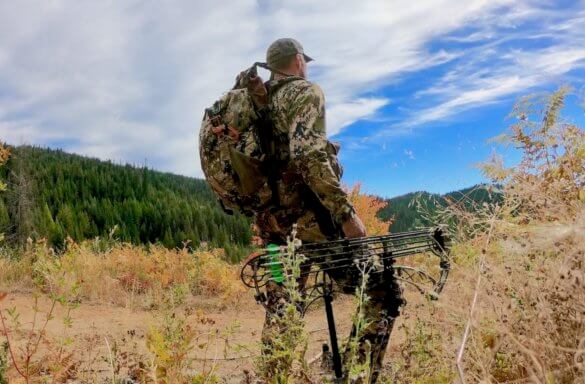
(172,282)
(519,264)
(528,325)
(124,275)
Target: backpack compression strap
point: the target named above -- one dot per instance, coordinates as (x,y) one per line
(271,69)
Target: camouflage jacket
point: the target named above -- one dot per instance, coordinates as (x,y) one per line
(308,162)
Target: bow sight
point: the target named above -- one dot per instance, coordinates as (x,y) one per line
(419,258)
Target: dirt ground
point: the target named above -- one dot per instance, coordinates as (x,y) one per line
(103,333)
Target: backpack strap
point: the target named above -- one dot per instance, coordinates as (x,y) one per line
(274,169)
(270,167)
(271,69)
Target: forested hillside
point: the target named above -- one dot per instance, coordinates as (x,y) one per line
(52,195)
(406,211)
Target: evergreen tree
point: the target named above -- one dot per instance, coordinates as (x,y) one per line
(168,240)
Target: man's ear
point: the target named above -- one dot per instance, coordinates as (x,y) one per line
(299,61)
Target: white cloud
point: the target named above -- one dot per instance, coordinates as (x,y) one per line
(121,81)
(529,70)
(549,62)
(343,114)
(479,96)
(130,80)
(488,73)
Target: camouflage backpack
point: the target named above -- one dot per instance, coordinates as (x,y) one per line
(232,154)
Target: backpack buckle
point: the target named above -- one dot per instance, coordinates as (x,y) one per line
(215,120)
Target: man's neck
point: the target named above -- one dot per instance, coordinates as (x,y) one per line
(284,74)
(278,76)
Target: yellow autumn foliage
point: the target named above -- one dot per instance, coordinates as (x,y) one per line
(125,274)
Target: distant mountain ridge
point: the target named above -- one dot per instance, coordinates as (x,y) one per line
(403,211)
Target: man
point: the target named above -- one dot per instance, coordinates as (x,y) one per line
(309,192)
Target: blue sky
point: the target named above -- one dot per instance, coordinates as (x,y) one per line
(414,89)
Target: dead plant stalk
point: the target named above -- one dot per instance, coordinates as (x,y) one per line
(469,324)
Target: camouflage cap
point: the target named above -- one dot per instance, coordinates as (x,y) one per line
(282,49)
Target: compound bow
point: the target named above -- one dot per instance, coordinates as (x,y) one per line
(419,258)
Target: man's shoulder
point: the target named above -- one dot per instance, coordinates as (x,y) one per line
(291,88)
(300,94)
(304,87)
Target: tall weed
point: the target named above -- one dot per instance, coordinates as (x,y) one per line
(518,263)
(285,342)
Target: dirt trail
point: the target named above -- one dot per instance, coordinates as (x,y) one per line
(125,329)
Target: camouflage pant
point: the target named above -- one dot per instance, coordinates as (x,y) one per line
(381,310)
